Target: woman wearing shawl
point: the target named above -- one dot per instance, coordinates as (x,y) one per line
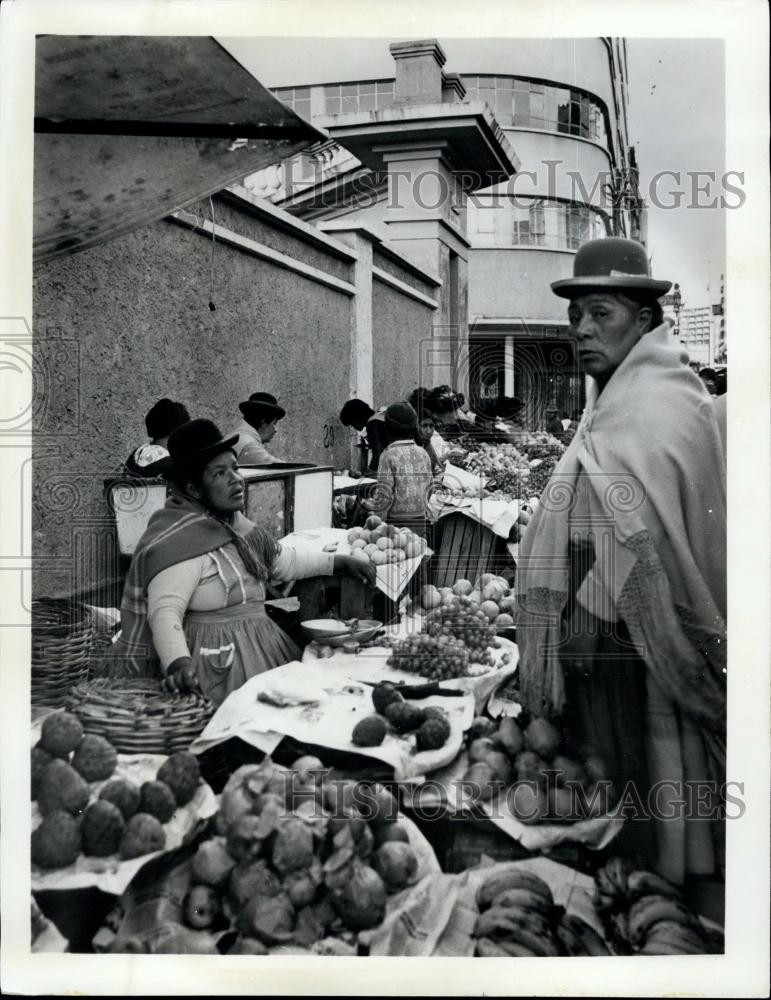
(194,604)
(622,571)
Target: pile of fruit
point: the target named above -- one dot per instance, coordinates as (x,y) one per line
(123,818)
(447,493)
(380,543)
(392,711)
(518,918)
(490,599)
(503,466)
(526,767)
(295,858)
(539,444)
(644,914)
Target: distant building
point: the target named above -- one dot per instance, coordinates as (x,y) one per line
(718,311)
(697,333)
(562,106)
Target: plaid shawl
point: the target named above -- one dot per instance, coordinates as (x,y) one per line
(650,448)
(182,529)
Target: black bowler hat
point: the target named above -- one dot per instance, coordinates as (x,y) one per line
(193,445)
(262,406)
(164,417)
(611,265)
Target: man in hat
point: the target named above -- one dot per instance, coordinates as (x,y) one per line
(621,579)
(261,414)
(162,418)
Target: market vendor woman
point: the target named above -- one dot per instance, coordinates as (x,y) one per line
(193,608)
(621,580)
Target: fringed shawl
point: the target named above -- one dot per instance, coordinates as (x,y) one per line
(182,529)
(651,450)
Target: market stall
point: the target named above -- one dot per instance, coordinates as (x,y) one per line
(383,794)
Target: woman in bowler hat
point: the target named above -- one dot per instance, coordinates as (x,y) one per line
(261,413)
(621,580)
(193,609)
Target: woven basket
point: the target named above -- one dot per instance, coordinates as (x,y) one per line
(138,716)
(62,633)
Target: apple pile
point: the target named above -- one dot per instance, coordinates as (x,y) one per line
(535,771)
(489,594)
(380,543)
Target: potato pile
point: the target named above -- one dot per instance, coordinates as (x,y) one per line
(296,857)
(123,818)
(528,769)
(381,543)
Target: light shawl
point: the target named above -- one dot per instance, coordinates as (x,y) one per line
(651,452)
(182,529)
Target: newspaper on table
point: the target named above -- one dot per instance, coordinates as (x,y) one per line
(391,578)
(112,874)
(319,701)
(440,914)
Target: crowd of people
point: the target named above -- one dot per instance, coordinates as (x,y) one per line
(621,576)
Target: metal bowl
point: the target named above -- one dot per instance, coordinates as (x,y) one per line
(331,632)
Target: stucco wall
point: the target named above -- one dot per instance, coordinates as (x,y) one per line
(399,327)
(135,312)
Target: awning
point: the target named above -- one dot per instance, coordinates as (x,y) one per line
(128,129)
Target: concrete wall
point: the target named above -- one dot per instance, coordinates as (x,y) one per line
(121,325)
(401,328)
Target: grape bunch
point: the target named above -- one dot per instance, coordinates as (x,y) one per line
(438,658)
(465,621)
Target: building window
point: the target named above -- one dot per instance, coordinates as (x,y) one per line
(554,225)
(525,104)
(298,98)
(350,98)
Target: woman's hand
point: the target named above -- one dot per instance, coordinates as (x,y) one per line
(356,568)
(181,676)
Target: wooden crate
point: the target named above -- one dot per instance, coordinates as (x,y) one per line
(465,549)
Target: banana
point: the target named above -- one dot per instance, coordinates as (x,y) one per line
(606,885)
(525,899)
(516,950)
(619,932)
(590,940)
(500,921)
(676,934)
(604,903)
(514,878)
(570,941)
(542,946)
(669,948)
(489,949)
(642,883)
(618,870)
(650,910)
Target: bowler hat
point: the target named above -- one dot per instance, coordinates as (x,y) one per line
(164,417)
(261,405)
(193,445)
(610,264)
(401,418)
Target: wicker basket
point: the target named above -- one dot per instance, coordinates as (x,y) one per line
(138,716)
(62,633)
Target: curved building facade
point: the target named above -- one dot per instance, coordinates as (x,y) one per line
(562,106)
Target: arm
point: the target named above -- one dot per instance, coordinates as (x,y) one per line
(377,442)
(168,597)
(297,563)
